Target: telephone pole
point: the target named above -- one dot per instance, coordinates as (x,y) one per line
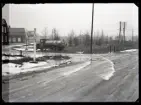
(124,32)
(34,45)
(119,31)
(92,30)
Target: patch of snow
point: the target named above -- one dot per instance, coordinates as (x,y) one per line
(11,52)
(130,50)
(19,49)
(28,65)
(37,55)
(38,49)
(30,49)
(11,68)
(80,52)
(31,43)
(24,49)
(10,58)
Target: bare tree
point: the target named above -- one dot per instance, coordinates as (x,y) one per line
(87,39)
(55,34)
(70,38)
(102,38)
(80,38)
(76,41)
(44,33)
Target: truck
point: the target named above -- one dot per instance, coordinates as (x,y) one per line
(55,45)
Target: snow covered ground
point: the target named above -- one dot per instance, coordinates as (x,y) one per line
(24,48)
(10,58)
(106,67)
(11,68)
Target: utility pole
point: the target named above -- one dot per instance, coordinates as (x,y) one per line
(119,32)
(94,37)
(92,30)
(124,32)
(34,45)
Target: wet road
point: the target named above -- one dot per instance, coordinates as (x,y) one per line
(84,85)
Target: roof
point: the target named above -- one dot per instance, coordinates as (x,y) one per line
(17,31)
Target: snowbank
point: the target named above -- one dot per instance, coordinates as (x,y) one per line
(130,50)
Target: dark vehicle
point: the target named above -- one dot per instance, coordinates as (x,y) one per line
(56,45)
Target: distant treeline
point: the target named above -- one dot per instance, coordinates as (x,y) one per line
(83,41)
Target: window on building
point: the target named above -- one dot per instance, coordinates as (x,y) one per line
(14,39)
(19,39)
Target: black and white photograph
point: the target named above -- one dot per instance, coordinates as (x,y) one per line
(70,52)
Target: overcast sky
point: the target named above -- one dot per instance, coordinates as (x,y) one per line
(77,17)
